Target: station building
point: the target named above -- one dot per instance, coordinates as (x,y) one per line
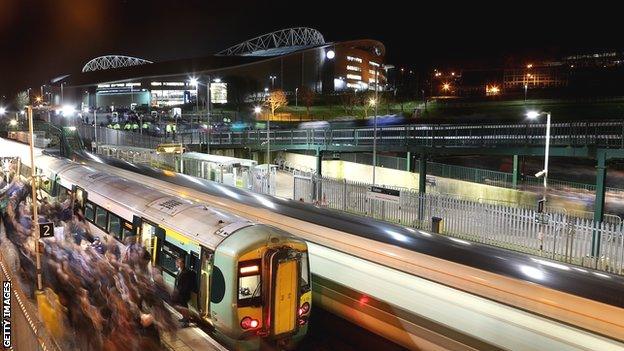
(291,59)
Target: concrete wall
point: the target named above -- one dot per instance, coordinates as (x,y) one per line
(386,176)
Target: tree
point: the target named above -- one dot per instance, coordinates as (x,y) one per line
(21,100)
(307,95)
(275,100)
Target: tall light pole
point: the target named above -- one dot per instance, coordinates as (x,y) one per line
(296,93)
(195,82)
(33,184)
(544,172)
(95,127)
(373,102)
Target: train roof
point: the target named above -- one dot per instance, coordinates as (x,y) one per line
(198,222)
(598,286)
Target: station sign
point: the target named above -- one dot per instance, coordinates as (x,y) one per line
(170,148)
(383,194)
(46,230)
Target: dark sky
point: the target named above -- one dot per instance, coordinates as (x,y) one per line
(40,39)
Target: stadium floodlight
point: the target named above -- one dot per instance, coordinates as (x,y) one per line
(330,54)
(257,110)
(194,81)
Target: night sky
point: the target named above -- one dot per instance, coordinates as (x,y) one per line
(46,38)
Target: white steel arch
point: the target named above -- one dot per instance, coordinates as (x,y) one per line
(290,37)
(112,61)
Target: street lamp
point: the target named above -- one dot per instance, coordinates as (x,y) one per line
(2,110)
(13,122)
(543,173)
(272,78)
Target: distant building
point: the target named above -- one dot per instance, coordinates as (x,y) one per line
(289,59)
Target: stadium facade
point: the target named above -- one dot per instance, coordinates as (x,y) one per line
(293,60)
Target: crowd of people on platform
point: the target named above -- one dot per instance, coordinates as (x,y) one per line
(109,296)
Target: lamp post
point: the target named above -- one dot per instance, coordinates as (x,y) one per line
(296,93)
(33,183)
(544,172)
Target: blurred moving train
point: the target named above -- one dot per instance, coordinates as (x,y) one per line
(252,280)
(422,290)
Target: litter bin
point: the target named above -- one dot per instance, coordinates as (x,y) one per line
(436,224)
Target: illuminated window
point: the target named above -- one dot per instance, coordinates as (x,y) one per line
(218,93)
(156,84)
(375,64)
(354,76)
(103,85)
(353,86)
(354,68)
(118,85)
(133,84)
(371,80)
(174,84)
(354,59)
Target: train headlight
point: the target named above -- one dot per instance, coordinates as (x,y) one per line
(249,323)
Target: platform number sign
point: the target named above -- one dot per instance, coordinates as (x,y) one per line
(46,230)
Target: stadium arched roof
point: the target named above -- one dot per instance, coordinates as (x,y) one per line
(112,61)
(277,43)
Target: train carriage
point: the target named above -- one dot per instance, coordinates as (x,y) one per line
(252,280)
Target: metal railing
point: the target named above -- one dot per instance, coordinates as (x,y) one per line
(608,134)
(561,237)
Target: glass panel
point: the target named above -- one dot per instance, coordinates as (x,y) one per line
(305,272)
(168,256)
(147,233)
(100,217)
(249,287)
(114,226)
(89,212)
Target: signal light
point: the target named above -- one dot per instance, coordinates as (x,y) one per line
(305,308)
(249,323)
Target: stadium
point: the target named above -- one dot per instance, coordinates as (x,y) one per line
(293,60)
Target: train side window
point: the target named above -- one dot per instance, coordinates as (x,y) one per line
(114,226)
(168,256)
(89,212)
(305,272)
(100,217)
(127,229)
(249,283)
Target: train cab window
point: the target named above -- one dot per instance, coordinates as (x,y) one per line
(305,272)
(249,283)
(100,217)
(114,226)
(89,211)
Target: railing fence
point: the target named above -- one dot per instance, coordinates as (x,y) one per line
(561,237)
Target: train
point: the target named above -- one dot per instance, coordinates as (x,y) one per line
(379,275)
(420,289)
(253,282)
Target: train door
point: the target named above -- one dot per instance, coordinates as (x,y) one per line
(284,297)
(80,198)
(150,235)
(203,298)
(193,264)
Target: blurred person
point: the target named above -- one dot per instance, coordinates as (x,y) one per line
(184,285)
